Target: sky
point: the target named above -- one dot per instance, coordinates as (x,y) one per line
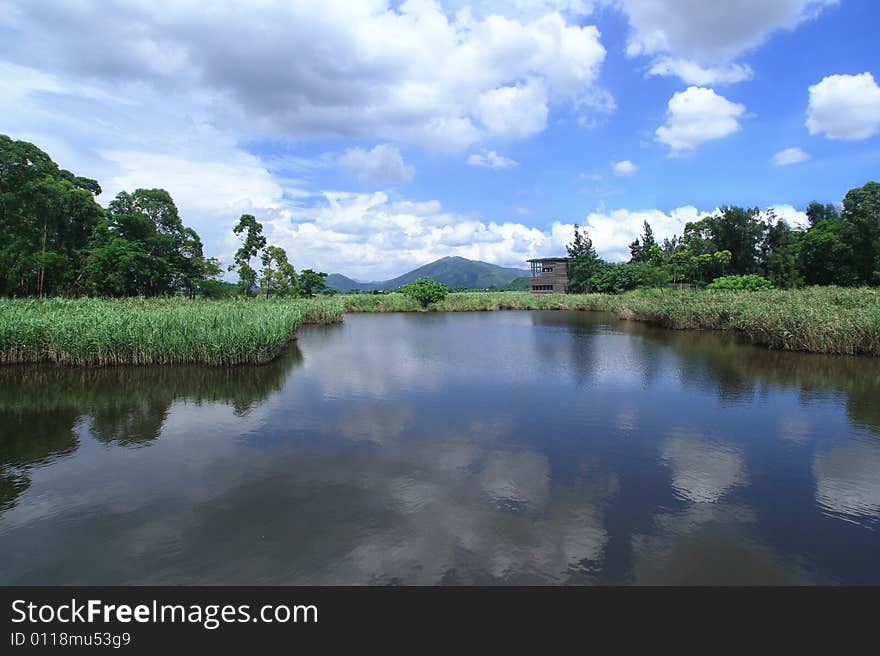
(372,137)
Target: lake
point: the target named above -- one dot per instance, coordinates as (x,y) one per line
(470,448)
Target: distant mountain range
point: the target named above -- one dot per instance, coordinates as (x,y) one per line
(451,271)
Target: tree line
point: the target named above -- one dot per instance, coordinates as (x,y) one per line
(58,240)
(739,248)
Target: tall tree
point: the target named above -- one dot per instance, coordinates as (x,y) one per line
(250,231)
(734,229)
(143,248)
(47,216)
(279,276)
(817,212)
(583,261)
(861,211)
(825,254)
(311,282)
(645,248)
(779,253)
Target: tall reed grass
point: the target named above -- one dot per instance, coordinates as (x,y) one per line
(94,332)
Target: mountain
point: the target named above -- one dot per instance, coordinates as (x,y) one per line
(451,271)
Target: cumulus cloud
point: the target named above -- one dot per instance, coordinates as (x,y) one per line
(697,115)
(789,156)
(791,215)
(489,159)
(623,167)
(613,231)
(699,41)
(693,73)
(514,111)
(411,72)
(383,163)
(844,107)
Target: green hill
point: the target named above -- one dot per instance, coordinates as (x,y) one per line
(451,271)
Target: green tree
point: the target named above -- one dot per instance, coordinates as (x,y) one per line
(861,211)
(624,276)
(47,216)
(311,282)
(143,248)
(279,276)
(425,291)
(583,261)
(645,248)
(817,212)
(253,242)
(825,254)
(779,253)
(734,229)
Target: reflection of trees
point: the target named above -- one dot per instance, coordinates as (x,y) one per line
(28,438)
(739,370)
(607,352)
(40,406)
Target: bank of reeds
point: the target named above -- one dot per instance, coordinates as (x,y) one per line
(93,332)
(96,332)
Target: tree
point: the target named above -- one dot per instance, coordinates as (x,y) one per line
(279,276)
(583,262)
(425,291)
(252,243)
(624,276)
(826,256)
(311,282)
(861,211)
(47,216)
(817,212)
(734,229)
(779,253)
(143,248)
(646,249)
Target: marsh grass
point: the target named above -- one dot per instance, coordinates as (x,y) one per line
(96,332)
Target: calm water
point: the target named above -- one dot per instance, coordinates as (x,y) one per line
(449,448)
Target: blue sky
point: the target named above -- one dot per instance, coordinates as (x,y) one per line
(373,137)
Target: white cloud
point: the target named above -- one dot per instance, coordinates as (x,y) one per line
(697,115)
(490,160)
(792,216)
(514,111)
(613,231)
(322,68)
(844,107)
(698,41)
(383,163)
(624,167)
(789,156)
(693,73)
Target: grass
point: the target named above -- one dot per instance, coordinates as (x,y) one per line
(94,332)
(91,332)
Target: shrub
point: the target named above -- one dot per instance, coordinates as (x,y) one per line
(748,283)
(425,291)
